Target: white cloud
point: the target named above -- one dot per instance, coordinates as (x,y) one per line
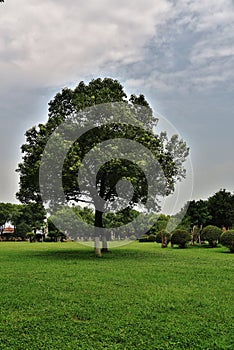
(195,50)
(52,42)
(212,14)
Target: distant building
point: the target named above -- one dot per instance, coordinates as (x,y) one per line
(8,230)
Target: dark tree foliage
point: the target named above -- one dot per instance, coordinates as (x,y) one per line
(217,210)
(25,218)
(221,209)
(171,154)
(198,213)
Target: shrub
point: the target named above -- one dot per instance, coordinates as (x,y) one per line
(227,239)
(143,238)
(180,237)
(47,239)
(152,238)
(211,234)
(132,238)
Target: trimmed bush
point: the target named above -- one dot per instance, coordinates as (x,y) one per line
(143,238)
(211,234)
(180,237)
(132,238)
(152,238)
(147,238)
(227,239)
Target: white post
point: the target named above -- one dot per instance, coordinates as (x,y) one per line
(104,244)
(97,249)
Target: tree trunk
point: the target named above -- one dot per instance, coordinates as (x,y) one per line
(97,249)
(199,235)
(193,235)
(164,241)
(104,244)
(99,224)
(98,219)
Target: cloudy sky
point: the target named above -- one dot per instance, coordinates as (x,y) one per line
(179,54)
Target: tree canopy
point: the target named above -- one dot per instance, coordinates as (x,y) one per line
(77,109)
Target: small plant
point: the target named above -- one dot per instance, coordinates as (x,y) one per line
(211,234)
(180,237)
(227,239)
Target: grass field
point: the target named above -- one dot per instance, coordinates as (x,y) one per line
(58,296)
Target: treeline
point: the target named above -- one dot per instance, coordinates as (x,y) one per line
(208,221)
(217,211)
(25,218)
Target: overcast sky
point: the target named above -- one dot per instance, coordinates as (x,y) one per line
(179,54)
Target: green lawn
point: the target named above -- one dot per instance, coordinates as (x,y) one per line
(140,296)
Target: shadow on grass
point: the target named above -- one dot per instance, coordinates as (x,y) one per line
(225,252)
(83,253)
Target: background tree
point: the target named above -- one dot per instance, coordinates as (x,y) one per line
(197,216)
(118,219)
(22,230)
(198,213)
(160,223)
(163,237)
(65,216)
(34,215)
(221,209)
(9,213)
(171,154)
(54,235)
(5,213)
(24,218)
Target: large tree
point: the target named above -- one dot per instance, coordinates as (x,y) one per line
(70,106)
